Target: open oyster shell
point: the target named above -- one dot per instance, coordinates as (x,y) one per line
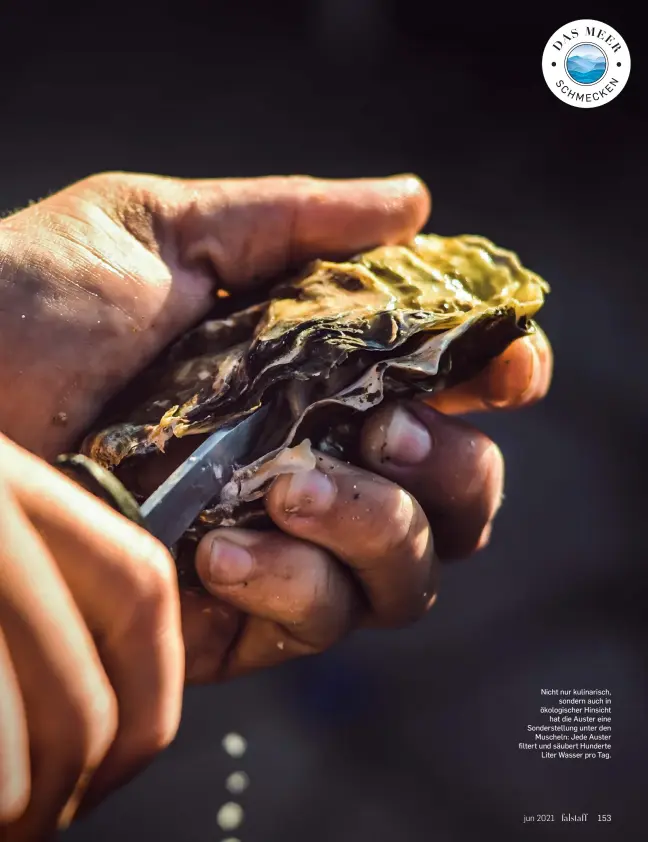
(327,344)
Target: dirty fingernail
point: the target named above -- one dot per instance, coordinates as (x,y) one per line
(309,494)
(229,563)
(406,439)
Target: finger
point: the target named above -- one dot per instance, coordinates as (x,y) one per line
(210,627)
(519,377)
(250,229)
(453,470)
(125,586)
(15,776)
(371,525)
(70,707)
(298,599)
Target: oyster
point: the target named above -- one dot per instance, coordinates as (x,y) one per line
(327,344)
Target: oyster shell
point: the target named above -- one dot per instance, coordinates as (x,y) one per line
(327,344)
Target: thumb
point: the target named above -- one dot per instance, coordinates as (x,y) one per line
(247,230)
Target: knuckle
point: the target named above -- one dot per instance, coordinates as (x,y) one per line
(101,184)
(161,575)
(149,581)
(131,200)
(106,178)
(410,610)
(313,596)
(480,477)
(394,532)
(146,589)
(323,614)
(158,735)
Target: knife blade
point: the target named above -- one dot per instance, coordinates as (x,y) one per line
(174,505)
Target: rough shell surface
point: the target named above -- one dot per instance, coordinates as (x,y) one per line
(326,344)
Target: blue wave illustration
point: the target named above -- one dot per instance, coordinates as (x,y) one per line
(586,67)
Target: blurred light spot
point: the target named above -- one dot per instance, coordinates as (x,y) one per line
(237,782)
(234,744)
(230,816)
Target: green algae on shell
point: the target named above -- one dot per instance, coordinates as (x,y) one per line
(328,343)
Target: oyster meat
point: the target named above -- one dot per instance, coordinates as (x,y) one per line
(327,344)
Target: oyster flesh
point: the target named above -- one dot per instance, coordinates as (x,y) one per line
(327,344)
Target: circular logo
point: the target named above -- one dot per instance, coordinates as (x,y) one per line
(586,63)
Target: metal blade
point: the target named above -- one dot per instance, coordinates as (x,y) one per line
(173,507)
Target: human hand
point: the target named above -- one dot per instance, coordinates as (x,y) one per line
(91,647)
(359,547)
(109,271)
(96,279)
(91,642)
(121,263)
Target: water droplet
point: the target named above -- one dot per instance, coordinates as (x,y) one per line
(230,816)
(237,782)
(234,744)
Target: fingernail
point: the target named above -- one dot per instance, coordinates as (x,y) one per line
(229,563)
(309,494)
(406,439)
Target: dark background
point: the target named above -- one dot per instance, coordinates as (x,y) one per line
(410,735)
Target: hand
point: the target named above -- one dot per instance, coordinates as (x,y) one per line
(95,280)
(360,547)
(91,645)
(91,648)
(106,273)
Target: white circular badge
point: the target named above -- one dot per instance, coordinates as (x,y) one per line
(586,63)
